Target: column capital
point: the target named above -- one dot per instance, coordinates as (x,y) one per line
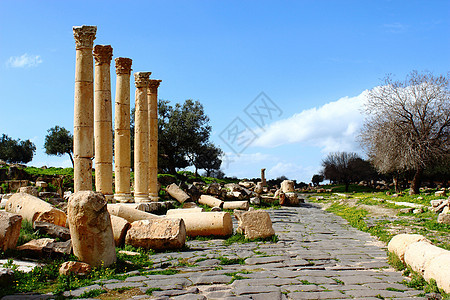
(103,54)
(154,84)
(123,65)
(141,79)
(84,36)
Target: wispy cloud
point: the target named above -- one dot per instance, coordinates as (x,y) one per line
(331,127)
(395,27)
(24,61)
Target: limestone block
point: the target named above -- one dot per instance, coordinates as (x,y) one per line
(258,188)
(177,193)
(91,229)
(120,227)
(214,189)
(440,193)
(277,193)
(9,230)
(157,234)
(419,254)
(436,203)
(291,199)
(130,214)
(444,218)
(400,242)
(41,184)
(45,247)
(247,184)
(34,209)
(439,269)
(190,205)
(31,190)
(243,205)
(184,211)
(206,223)
(75,267)
(52,230)
(210,201)
(287,186)
(254,224)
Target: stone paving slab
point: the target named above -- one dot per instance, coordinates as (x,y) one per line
(318,256)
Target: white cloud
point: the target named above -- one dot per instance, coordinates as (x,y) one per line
(291,171)
(395,27)
(24,61)
(332,127)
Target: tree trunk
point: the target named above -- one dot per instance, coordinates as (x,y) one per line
(71,159)
(417,180)
(395,180)
(347,185)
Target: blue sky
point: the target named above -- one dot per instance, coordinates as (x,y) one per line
(312,59)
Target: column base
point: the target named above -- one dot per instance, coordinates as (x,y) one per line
(153,197)
(141,198)
(110,198)
(123,198)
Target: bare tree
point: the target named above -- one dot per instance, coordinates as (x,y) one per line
(407,126)
(342,167)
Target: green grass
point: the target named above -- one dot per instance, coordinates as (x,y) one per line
(92,293)
(231,261)
(151,290)
(356,218)
(396,262)
(240,238)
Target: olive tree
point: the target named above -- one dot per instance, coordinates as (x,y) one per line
(59,141)
(407,125)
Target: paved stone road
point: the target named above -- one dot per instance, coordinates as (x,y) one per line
(318,256)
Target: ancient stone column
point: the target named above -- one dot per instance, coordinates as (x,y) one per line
(142,81)
(103,121)
(153,139)
(122,147)
(263,177)
(83,122)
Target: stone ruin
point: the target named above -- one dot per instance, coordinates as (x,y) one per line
(91,224)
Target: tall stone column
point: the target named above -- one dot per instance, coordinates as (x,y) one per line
(103,121)
(83,122)
(153,139)
(263,177)
(122,147)
(142,81)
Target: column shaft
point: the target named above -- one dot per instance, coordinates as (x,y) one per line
(83,123)
(141,138)
(103,120)
(122,147)
(153,139)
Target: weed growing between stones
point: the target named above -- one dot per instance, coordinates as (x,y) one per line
(151,290)
(235,276)
(396,262)
(240,238)
(231,261)
(91,293)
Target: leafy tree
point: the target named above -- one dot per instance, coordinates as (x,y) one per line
(59,141)
(16,151)
(208,158)
(317,179)
(344,168)
(407,127)
(183,137)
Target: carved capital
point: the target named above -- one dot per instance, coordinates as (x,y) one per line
(123,65)
(84,36)
(153,86)
(103,54)
(141,79)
